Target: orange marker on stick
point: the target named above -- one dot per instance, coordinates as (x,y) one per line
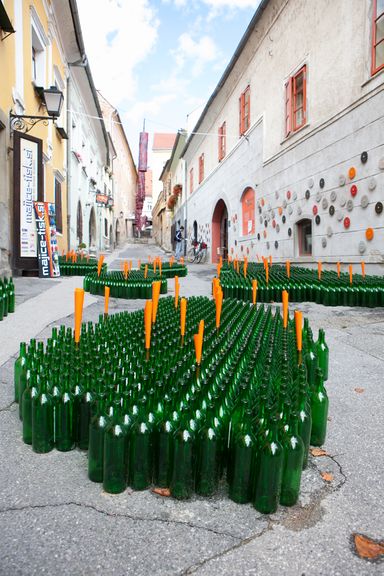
(338,269)
(177,290)
(319,266)
(100,264)
(363,269)
(155,298)
(350,273)
(285,308)
(183,317)
(254,291)
(288,267)
(219,304)
(148,323)
(106,299)
(299,330)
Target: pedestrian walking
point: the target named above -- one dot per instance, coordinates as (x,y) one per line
(179,239)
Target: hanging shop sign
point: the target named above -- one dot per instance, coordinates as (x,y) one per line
(48,254)
(102,199)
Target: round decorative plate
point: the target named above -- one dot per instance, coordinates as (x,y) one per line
(321,182)
(317,219)
(283,219)
(289,232)
(339,215)
(350,205)
(294,196)
(299,210)
(362,247)
(318,196)
(258,236)
(324,242)
(290,209)
(364,157)
(267,245)
(333,196)
(342,180)
(351,172)
(307,194)
(353,190)
(311,182)
(276,244)
(347,222)
(364,201)
(342,200)
(329,231)
(372,184)
(331,210)
(378,207)
(284,203)
(314,210)
(289,195)
(324,203)
(369,234)
(277,228)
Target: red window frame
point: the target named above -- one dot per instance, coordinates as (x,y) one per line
(375,18)
(245,110)
(222,141)
(291,101)
(191,181)
(201,168)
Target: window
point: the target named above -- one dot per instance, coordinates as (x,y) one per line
(191,181)
(295,101)
(201,168)
(222,141)
(304,236)
(58,206)
(245,110)
(105,227)
(248,210)
(38,54)
(378,36)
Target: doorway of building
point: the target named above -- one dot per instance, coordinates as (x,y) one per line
(117,227)
(111,237)
(92,229)
(220,231)
(195,231)
(79,223)
(304,237)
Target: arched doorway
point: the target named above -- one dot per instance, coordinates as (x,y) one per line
(111,236)
(220,231)
(92,228)
(195,231)
(304,237)
(79,223)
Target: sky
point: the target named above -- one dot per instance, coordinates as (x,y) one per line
(160,60)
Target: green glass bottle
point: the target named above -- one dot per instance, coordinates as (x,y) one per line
(209,447)
(29,393)
(165,429)
(5,297)
(319,407)
(141,450)
(97,429)
(304,411)
(84,406)
(293,463)
(244,456)
(42,417)
(11,296)
(269,471)
(20,371)
(1,300)
(114,475)
(323,353)
(182,481)
(64,422)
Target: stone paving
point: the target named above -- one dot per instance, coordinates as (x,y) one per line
(54,521)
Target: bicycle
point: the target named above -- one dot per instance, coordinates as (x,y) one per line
(197,252)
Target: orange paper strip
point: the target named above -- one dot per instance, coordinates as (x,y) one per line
(155,298)
(218,268)
(254,291)
(266,273)
(201,327)
(106,298)
(299,329)
(350,273)
(100,264)
(363,269)
(79,302)
(288,267)
(319,267)
(146,271)
(270,259)
(148,323)
(285,308)
(219,304)
(183,315)
(338,269)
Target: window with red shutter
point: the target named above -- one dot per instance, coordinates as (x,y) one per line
(296,101)
(191,181)
(245,111)
(377,36)
(222,141)
(201,168)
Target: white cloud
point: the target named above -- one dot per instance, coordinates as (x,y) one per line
(196,53)
(117,36)
(232,3)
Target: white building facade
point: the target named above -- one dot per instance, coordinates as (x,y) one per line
(288,159)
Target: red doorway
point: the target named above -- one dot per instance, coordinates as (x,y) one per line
(220,231)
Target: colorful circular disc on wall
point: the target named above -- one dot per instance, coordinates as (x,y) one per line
(317,219)
(362,247)
(331,210)
(274,223)
(294,196)
(333,196)
(284,203)
(242,248)
(280,210)
(324,203)
(258,236)
(339,215)
(289,194)
(311,182)
(276,244)
(283,219)
(342,180)
(347,222)
(364,201)
(289,232)
(307,194)
(369,233)
(353,190)
(372,184)
(318,196)
(378,207)
(342,200)
(299,210)
(350,205)
(314,210)
(321,182)
(264,233)
(290,209)
(267,245)
(324,242)
(329,232)
(364,157)
(262,202)
(277,228)
(351,172)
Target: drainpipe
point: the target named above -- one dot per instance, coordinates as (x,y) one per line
(69,173)
(186,205)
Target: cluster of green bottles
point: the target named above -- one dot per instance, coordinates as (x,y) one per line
(302,286)
(7,297)
(134,286)
(169,270)
(81,267)
(247,413)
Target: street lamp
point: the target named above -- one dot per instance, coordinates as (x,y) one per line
(52,98)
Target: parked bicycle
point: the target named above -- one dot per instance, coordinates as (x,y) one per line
(197,252)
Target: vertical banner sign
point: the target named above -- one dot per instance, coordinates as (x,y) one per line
(143,152)
(28,194)
(46,240)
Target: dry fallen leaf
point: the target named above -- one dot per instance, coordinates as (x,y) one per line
(329,419)
(318,452)
(162,491)
(359,390)
(327,476)
(368,548)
